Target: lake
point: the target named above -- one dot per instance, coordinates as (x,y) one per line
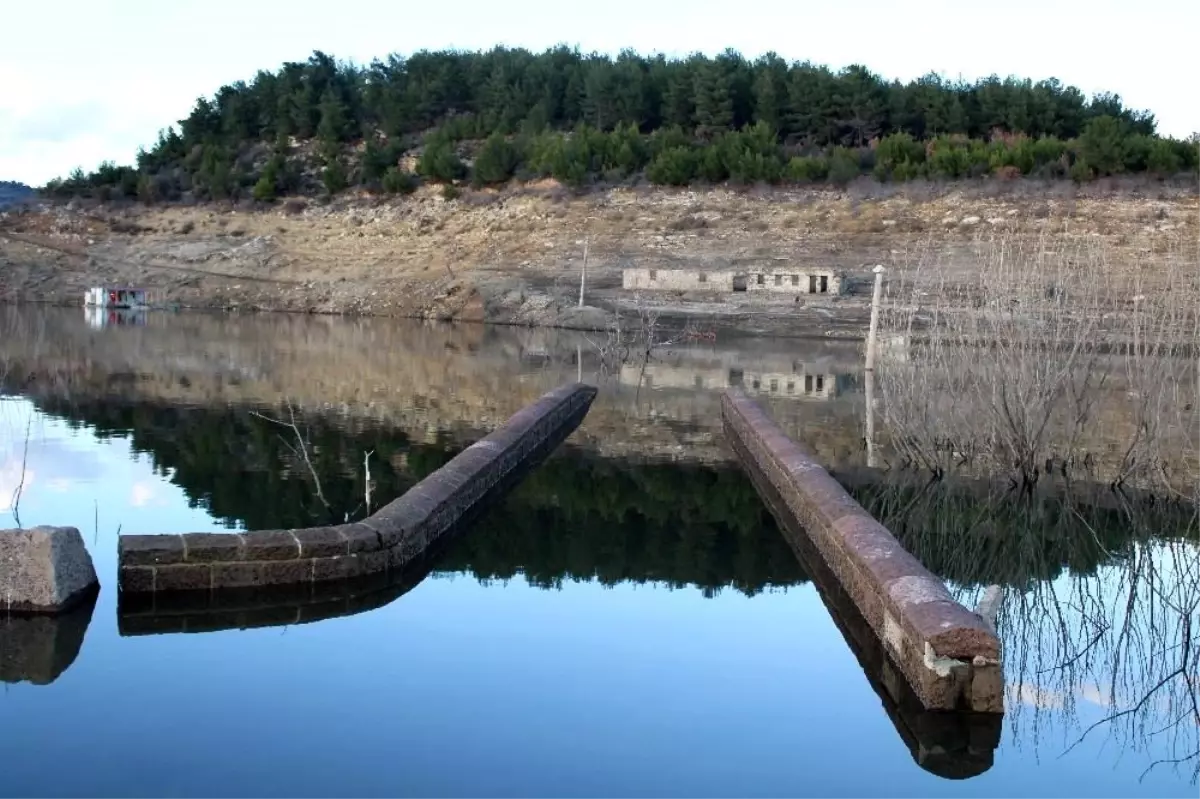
(628,621)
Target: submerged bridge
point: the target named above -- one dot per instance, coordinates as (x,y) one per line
(949,655)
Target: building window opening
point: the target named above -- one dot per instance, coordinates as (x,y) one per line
(795,280)
(779,280)
(820,383)
(654,274)
(703,277)
(812,284)
(761,279)
(824,283)
(791,386)
(808,384)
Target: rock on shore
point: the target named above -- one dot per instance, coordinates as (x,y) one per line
(44,570)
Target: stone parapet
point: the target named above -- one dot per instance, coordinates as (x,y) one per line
(949,655)
(383,542)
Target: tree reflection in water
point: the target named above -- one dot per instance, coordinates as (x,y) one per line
(1116,630)
(1102,589)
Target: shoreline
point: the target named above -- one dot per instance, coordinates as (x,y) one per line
(515,257)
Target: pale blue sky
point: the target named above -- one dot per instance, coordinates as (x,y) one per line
(85,81)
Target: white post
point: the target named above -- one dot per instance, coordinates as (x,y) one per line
(870,375)
(583,273)
(875,297)
(367,473)
(1137,326)
(870,418)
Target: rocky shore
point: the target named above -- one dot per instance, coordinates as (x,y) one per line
(515,256)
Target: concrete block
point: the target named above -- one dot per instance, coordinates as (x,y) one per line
(44,570)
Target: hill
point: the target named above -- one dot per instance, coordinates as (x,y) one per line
(12,192)
(321,126)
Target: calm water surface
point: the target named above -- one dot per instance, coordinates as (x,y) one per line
(630,621)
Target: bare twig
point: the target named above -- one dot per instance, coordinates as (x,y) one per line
(302,450)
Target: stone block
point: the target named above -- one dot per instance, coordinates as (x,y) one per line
(44,570)
(209,547)
(135,579)
(150,550)
(320,542)
(271,545)
(361,538)
(183,577)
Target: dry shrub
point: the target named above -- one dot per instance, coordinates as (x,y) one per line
(479,199)
(687,222)
(294,206)
(127,227)
(187,227)
(1043,361)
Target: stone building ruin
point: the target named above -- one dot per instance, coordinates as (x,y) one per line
(798,383)
(775,280)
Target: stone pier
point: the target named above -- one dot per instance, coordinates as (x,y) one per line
(384,542)
(954,745)
(949,656)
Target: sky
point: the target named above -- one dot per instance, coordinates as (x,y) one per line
(81,82)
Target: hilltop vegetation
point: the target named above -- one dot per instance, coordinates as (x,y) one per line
(488,117)
(11,192)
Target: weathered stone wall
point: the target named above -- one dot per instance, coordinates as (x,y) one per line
(954,745)
(782,280)
(677,280)
(948,654)
(785,280)
(387,540)
(268,606)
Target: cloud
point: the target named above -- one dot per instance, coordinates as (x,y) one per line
(141,494)
(14,478)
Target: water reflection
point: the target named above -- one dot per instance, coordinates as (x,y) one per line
(1105,648)
(1101,590)
(39,648)
(268,606)
(953,745)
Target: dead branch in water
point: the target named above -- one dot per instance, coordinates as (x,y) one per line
(300,450)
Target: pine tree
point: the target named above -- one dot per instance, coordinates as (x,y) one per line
(333,118)
(714,103)
(374,163)
(679,99)
(768,100)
